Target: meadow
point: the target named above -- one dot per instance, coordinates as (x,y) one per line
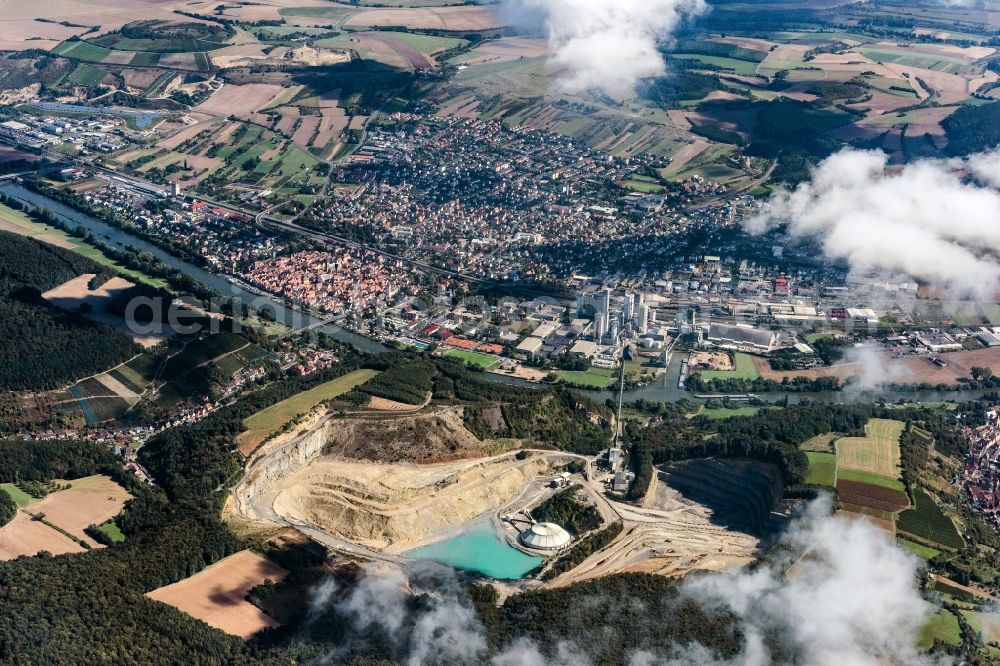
(718,413)
(822,469)
(598,378)
(745,369)
(268,422)
(877,452)
(484,361)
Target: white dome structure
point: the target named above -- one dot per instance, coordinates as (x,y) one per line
(545,536)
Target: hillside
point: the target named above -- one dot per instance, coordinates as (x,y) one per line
(43,346)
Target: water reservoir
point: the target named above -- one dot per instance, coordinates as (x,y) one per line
(480,550)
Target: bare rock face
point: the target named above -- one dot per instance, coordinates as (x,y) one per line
(362,481)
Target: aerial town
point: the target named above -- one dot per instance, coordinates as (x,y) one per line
(506,332)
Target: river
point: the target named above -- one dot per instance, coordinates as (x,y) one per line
(662,390)
(219,283)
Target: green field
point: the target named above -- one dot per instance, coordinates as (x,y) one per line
(425,44)
(992,313)
(318,12)
(113,532)
(268,421)
(86,75)
(745,369)
(718,413)
(926,552)
(145,59)
(944,627)
(20,497)
(822,469)
(821,443)
(741,67)
(22,224)
(598,378)
(79,50)
(641,184)
(484,361)
(927,521)
(941,63)
(871,478)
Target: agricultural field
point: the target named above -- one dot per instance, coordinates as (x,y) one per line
(201,351)
(217,595)
(877,452)
(920,550)
(928,522)
(267,422)
(821,443)
(90,500)
(944,627)
(871,496)
(479,359)
(822,469)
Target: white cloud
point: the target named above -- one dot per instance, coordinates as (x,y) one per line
(605,44)
(851,600)
(874,369)
(840,593)
(924,221)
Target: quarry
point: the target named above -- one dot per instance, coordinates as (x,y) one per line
(390,486)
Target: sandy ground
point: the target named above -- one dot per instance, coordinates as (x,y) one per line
(669,536)
(24,536)
(240,100)
(386,405)
(217,595)
(711,360)
(909,369)
(440,18)
(524,372)
(90,501)
(248,55)
(395,507)
(72,294)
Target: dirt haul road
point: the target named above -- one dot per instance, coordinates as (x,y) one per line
(374,508)
(380,510)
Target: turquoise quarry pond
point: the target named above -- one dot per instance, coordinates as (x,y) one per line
(479,550)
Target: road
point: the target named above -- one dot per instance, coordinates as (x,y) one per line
(263,220)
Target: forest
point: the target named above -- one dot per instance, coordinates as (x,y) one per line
(771,435)
(972,129)
(45,347)
(564,509)
(58,609)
